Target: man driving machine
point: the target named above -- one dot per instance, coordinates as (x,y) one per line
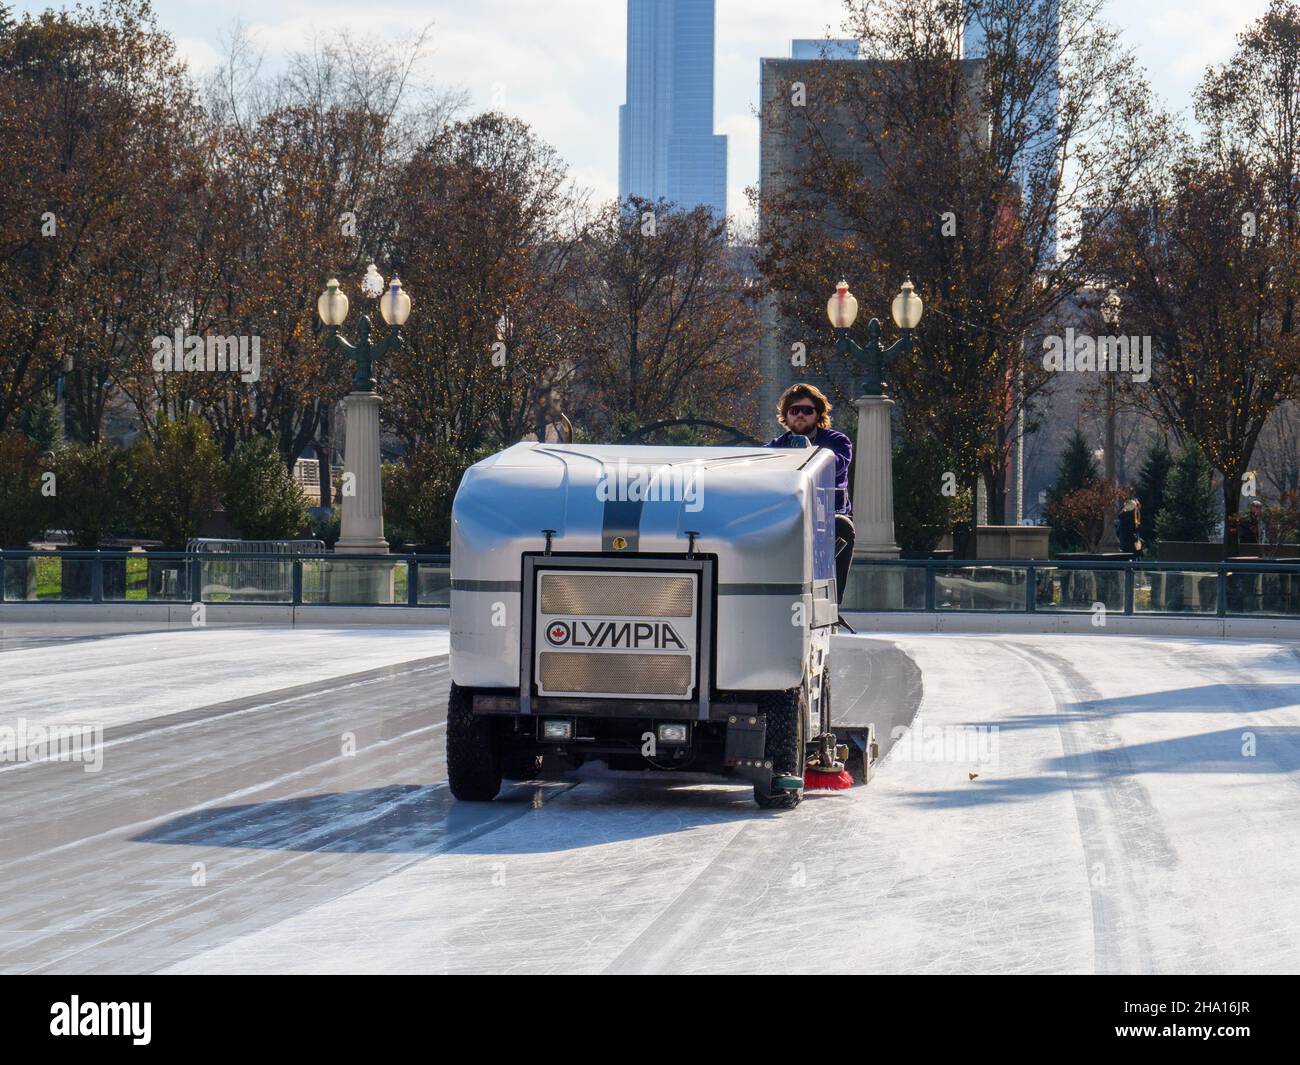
(805,411)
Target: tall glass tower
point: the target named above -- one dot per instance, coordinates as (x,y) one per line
(1039,149)
(667,147)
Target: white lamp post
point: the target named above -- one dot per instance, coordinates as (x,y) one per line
(873,481)
(362,523)
(1110,308)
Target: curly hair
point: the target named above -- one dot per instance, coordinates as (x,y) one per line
(805,391)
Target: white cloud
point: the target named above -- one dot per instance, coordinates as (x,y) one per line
(1176,42)
(200,55)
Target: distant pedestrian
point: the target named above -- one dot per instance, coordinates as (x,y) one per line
(1128,529)
(1249,528)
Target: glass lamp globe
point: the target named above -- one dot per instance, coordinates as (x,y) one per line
(842,308)
(332,306)
(907,307)
(396,304)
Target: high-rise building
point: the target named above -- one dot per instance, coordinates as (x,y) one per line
(667,147)
(784,159)
(815,48)
(1038,150)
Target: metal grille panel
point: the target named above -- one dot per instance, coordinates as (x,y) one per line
(572,671)
(618,595)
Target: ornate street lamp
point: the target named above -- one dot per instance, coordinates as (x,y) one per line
(873,479)
(362,525)
(394,305)
(842,310)
(1110,311)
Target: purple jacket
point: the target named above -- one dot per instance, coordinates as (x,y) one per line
(843,448)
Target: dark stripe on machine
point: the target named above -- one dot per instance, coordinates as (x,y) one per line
(462,584)
(765,589)
(622,517)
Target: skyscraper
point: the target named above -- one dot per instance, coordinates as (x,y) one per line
(667,147)
(1036,36)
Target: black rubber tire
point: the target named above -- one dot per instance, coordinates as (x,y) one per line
(785,748)
(520,766)
(473,765)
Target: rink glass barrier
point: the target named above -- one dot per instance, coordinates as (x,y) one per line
(232,577)
(1254,589)
(1251,589)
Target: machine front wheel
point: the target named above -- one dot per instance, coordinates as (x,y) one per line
(786,713)
(473,766)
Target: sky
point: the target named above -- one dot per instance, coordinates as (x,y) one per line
(560,64)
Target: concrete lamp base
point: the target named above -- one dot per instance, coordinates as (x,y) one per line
(873,482)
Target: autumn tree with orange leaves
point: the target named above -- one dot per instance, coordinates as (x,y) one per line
(1207,257)
(983,182)
(96,136)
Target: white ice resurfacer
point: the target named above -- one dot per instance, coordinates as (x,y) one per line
(666,608)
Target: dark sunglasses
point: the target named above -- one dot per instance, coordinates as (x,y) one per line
(800,408)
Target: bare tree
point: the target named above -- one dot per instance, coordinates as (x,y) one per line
(485,235)
(983,180)
(1206,255)
(671,327)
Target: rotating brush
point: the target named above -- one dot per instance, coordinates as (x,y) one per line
(815,777)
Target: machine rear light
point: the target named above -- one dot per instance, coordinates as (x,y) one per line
(557,730)
(675,733)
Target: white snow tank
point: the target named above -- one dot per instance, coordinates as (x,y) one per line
(566,556)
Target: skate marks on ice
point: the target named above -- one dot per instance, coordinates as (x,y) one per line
(1124,845)
(1182,760)
(590,883)
(221,819)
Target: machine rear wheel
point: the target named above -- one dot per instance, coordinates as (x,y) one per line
(786,712)
(473,767)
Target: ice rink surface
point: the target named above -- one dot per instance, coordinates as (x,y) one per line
(275,800)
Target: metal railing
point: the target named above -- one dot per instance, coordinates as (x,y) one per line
(227,577)
(238,579)
(1166,589)
(1178,589)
